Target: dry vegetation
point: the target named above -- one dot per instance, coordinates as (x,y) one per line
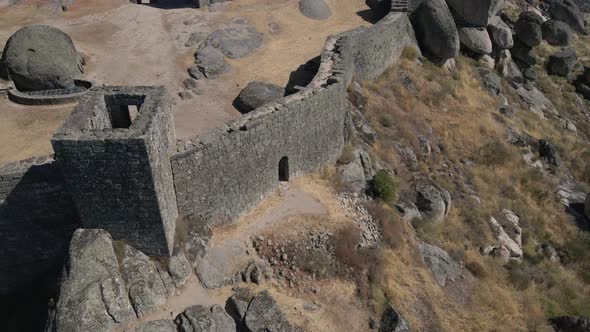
(458,116)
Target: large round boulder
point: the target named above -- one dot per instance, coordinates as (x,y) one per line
(562,63)
(315,9)
(256,94)
(473,13)
(436,30)
(40,57)
(475,40)
(557,33)
(568,12)
(500,33)
(528,29)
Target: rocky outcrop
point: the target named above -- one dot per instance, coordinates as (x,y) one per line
(237,40)
(528,29)
(570,324)
(40,57)
(508,233)
(210,63)
(93,295)
(476,40)
(506,67)
(567,11)
(562,63)
(180,269)
(265,315)
(524,53)
(357,172)
(200,318)
(473,13)
(392,321)
(433,202)
(490,81)
(315,9)
(557,33)
(256,94)
(587,206)
(443,267)
(435,30)
(500,33)
(145,286)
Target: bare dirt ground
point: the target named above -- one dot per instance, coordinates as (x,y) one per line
(129,44)
(25,131)
(289,210)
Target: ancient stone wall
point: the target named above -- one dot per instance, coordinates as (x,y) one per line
(128,175)
(118,164)
(37,218)
(222,174)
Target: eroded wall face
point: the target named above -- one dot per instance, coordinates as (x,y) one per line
(37,218)
(120,178)
(224,178)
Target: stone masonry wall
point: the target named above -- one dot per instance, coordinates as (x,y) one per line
(222,174)
(134,182)
(120,178)
(37,218)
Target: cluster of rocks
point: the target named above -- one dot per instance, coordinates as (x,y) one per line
(41,57)
(429,202)
(541,154)
(505,48)
(243,312)
(370,235)
(444,268)
(106,284)
(286,256)
(237,40)
(506,228)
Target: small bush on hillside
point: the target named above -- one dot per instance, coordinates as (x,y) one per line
(383,186)
(476,268)
(494,154)
(318,262)
(410,53)
(391,226)
(345,247)
(386,120)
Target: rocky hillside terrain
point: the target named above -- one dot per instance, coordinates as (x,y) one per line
(460,201)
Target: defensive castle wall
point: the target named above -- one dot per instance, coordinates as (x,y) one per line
(119,167)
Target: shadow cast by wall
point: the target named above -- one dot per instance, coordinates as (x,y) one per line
(303,75)
(168,4)
(37,219)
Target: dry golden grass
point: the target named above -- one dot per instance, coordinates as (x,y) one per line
(465,122)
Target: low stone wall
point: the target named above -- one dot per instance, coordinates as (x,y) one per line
(55,97)
(228,171)
(37,218)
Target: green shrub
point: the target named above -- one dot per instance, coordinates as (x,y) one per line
(383,186)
